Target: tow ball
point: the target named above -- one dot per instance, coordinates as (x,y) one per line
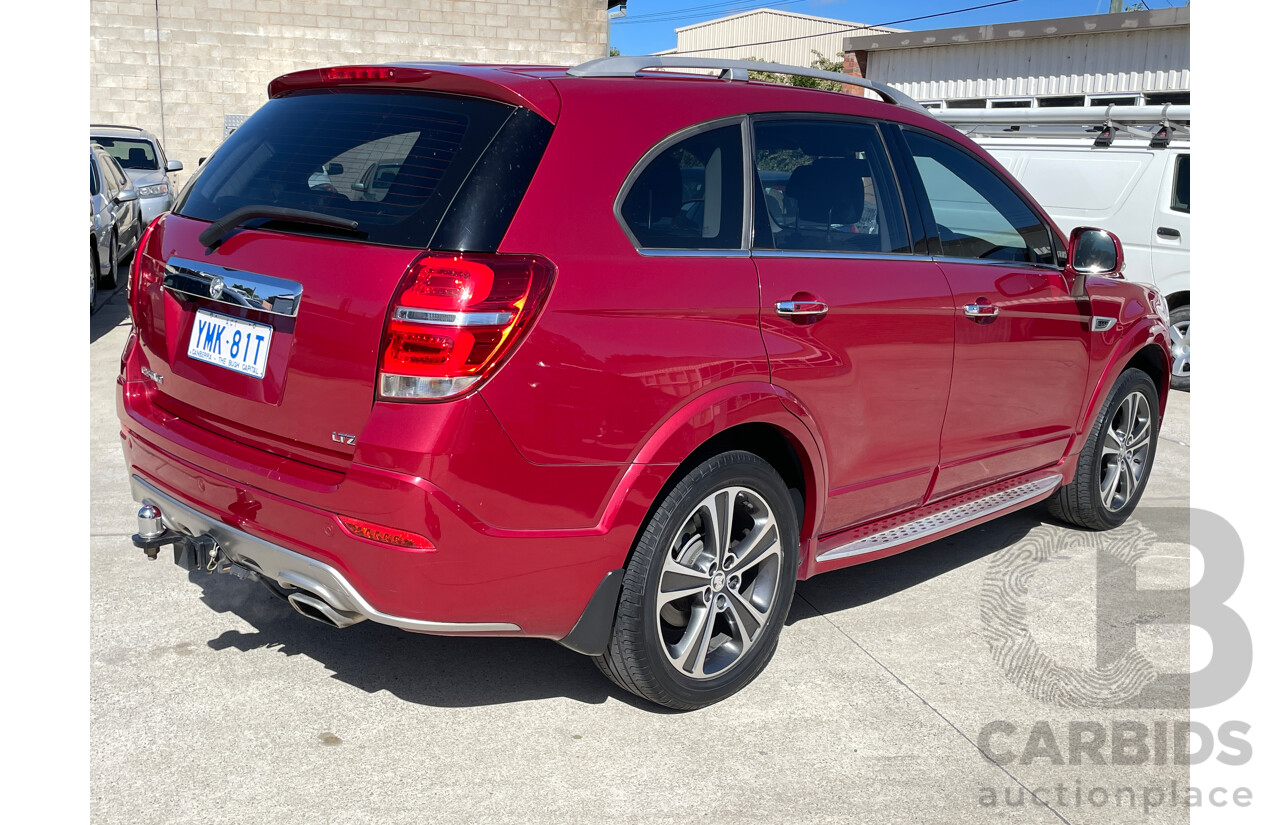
(189,552)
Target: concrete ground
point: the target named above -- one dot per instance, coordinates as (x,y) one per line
(211,701)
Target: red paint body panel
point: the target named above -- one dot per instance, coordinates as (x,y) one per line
(1019,378)
(874,373)
(534,484)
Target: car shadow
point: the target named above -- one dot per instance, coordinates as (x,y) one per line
(863,584)
(442,671)
(111,309)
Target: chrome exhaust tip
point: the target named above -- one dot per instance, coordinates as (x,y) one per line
(314,607)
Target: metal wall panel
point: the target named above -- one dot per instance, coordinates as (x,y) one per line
(1155,60)
(719,38)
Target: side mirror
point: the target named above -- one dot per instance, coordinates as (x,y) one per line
(174,166)
(335,169)
(358,186)
(126,195)
(1093,252)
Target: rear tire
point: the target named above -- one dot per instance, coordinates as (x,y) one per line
(93,277)
(108,281)
(1115,462)
(1180,332)
(708,587)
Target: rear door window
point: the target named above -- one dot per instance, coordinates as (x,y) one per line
(978,215)
(312,151)
(689,196)
(826,186)
(1181,185)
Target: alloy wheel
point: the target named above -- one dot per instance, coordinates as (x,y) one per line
(1180,338)
(719,583)
(1125,450)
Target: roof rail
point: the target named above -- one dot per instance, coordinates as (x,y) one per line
(731,70)
(115,126)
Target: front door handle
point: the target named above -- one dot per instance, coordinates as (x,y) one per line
(981,310)
(1168,232)
(801,309)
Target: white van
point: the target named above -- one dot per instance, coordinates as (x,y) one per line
(1141,194)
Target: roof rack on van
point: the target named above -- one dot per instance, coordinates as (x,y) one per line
(731,70)
(1161,121)
(114,126)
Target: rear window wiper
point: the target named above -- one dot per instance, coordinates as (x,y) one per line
(218,230)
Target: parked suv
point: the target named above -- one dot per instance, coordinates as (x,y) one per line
(140,154)
(531,391)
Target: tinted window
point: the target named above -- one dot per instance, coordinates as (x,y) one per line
(690,195)
(93,179)
(978,214)
(826,186)
(1182,184)
(305,151)
(132,153)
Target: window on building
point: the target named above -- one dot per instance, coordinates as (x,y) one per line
(1114,100)
(826,186)
(690,195)
(1060,101)
(978,215)
(1011,104)
(1170,98)
(968,103)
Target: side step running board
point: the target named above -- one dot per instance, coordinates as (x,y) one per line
(948,516)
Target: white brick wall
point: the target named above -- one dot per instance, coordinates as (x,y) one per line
(217,56)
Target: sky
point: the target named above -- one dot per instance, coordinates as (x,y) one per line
(650,24)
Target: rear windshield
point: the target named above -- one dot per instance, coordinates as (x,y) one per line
(392,162)
(133,153)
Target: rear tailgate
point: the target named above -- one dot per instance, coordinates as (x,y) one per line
(272,334)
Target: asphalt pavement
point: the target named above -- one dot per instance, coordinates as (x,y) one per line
(965,681)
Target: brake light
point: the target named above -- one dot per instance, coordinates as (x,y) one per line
(384,535)
(347,73)
(135,269)
(455,318)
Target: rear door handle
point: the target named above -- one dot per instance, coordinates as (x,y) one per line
(981,310)
(1167,232)
(792,309)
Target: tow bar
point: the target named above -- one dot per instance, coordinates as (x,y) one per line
(189,552)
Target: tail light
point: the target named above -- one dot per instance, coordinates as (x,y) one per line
(131,285)
(455,318)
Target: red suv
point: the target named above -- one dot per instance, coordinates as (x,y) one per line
(614,357)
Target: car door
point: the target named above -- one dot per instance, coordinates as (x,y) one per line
(856,324)
(1171,234)
(1021,337)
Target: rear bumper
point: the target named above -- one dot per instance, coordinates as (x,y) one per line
(290,570)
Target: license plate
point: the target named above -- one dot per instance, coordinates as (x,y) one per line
(230,343)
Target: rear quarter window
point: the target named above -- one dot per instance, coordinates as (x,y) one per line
(312,151)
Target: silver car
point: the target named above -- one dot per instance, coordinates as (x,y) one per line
(140,154)
(115,224)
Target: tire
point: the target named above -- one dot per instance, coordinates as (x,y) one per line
(93,277)
(1116,461)
(108,281)
(1180,332)
(700,647)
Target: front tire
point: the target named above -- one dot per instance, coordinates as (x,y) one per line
(1115,462)
(1180,335)
(708,587)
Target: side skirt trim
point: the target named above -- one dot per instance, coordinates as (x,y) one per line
(946,515)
